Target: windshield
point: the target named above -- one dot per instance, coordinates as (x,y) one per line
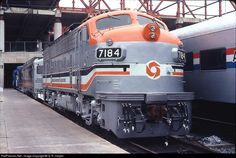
(144,20)
(113,21)
(39,69)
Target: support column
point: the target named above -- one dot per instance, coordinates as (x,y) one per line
(1,75)
(179,23)
(2,32)
(57,25)
(2,49)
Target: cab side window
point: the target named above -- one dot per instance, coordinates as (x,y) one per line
(84,36)
(39,69)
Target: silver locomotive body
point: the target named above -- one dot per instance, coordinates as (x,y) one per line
(118,80)
(31,77)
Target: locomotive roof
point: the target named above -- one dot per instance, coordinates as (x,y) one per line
(206,27)
(38,60)
(91,23)
(92,20)
(119,12)
(30,62)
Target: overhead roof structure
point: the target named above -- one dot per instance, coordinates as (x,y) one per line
(25,26)
(181,8)
(30,20)
(34,4)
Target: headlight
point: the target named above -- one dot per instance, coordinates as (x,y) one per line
(151,32)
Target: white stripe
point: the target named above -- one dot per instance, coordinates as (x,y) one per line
(229,58)
(61,80)
(85,79)
(74,80)
(135,70)
(196,61)
(140,70)
(179,70)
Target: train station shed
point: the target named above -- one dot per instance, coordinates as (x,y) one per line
(28,27)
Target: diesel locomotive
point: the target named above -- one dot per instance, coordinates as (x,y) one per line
(122,71)
(31,77)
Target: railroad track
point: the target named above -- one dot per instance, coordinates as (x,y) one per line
(211,144)
(225,130)
(214,121)
(219,138)
(156,145)
(167,145)
(190,144)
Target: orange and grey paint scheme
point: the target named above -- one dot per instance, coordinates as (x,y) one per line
(130,33)
(117,67)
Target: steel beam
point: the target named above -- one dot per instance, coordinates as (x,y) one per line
(233,4)
(220,7)
(149,6)
(16,10)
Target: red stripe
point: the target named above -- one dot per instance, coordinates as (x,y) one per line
(196,55)
(230,51)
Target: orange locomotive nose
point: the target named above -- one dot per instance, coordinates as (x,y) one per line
(151,32)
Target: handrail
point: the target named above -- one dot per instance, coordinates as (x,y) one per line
(25,46)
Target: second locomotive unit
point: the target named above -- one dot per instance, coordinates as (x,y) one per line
(31,77)
(123,71)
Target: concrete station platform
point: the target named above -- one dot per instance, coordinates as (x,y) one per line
(27,126)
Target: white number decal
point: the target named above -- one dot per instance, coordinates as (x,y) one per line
(117,53)
(100,52)
(181,55)
(109,53)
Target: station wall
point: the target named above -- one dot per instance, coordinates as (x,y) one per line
(9,60)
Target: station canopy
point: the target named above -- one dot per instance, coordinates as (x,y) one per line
(32,20)
(34,4)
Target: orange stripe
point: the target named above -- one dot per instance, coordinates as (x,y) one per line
(27,84)
(86,85)
(177,73)
(61,85)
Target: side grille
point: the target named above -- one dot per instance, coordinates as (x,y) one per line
(121,97)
